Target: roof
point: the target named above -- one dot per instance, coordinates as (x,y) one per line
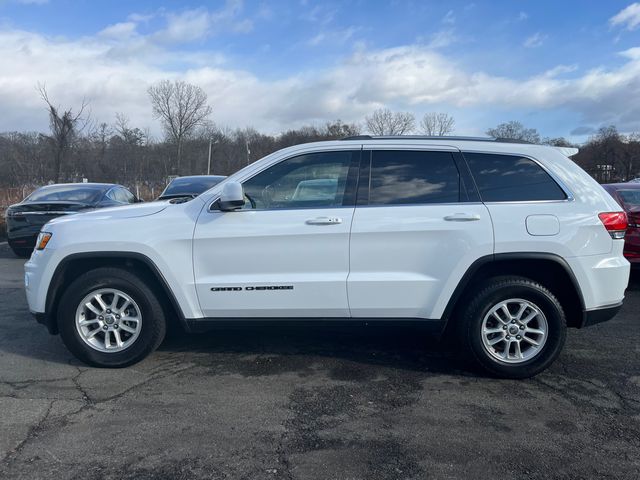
(431,137)
(80,184)
(462,142)
(199,177)
(623,185)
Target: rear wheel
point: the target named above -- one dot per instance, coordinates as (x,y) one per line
(513,327)
(108,317)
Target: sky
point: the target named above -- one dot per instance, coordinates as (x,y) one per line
(564,67)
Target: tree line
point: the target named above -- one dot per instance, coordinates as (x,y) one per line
(78,147)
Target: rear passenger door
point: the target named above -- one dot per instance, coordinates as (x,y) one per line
(524,199)
(417,227)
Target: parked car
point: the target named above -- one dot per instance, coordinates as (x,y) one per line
(25,219)
(628,196)
(503,244)
(189,187)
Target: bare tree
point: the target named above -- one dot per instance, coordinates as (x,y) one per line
(514,130)
(385,122)
(181,107)
(437,124)
(64,127)
(337,129)
(557,142)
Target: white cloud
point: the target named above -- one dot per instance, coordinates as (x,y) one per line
(115,72)
(338,37)
(199,23)
(442,38)
(535,40)
(449,18)
(119,30)
(319,14)
(523,16)
(186,26)
(628,17)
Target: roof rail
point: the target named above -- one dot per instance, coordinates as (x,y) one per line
(427,137)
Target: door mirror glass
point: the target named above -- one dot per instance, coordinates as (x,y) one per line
(232,197)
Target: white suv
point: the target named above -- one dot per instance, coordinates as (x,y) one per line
(504,244)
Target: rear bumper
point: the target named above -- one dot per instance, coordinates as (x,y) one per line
(599,315)
(602,279)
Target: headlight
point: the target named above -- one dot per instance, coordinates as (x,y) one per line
(43,239)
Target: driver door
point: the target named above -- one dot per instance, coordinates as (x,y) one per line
(286,252)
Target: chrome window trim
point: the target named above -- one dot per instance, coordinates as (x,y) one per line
(395,205)
(554,177)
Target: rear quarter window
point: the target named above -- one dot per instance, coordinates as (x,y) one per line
(511,178)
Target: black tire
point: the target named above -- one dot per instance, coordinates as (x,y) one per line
(153,317)
(490,293)
(21,252)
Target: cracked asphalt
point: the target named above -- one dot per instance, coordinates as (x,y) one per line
(321,403)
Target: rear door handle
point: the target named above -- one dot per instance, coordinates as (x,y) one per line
(462,217)
(324,221)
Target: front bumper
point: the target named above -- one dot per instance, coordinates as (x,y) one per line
(599,315)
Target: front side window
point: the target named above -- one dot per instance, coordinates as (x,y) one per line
(510,178)
(314,180)
(413,177)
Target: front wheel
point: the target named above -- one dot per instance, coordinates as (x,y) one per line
(513,327)
(108,317)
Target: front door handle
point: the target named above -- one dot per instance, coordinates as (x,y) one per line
(324,221)
(462,217)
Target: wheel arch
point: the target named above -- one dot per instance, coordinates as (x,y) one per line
(549,269)
(78,263)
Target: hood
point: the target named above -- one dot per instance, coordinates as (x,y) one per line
(127,211)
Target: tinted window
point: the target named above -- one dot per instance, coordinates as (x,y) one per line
(120,195)
(126,195)
(509,178)
(404,177)
(630,198)
(192,185)
(308,181)
(67,193)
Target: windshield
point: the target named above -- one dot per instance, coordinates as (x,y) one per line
(191,186)
(66,193)
(631,198)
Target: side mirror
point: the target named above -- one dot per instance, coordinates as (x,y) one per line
(232,197)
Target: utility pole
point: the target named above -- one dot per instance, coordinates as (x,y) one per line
(209,161)
(248,151)
(211,142)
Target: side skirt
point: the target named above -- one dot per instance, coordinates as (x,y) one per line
(434,327)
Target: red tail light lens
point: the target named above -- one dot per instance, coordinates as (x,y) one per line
(615,223)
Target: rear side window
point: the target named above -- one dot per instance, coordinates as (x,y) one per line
(510,178)
(411,177)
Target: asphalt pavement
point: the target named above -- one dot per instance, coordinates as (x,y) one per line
(314,403)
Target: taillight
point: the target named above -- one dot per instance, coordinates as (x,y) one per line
(615,223)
